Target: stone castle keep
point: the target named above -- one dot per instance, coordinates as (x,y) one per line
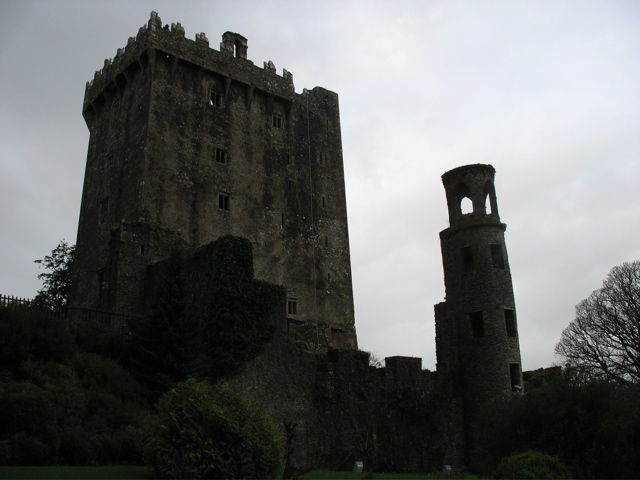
(187,144)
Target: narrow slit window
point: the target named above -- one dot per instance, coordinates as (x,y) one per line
(467,259)
(325,241)
(497,256)
(514,373)
(290,185)
(221,156)
(324,202)
(476,319)
(321,158)
(276,121)
(104,210)
(283,219)
(215,99)
(292,306)
(102,284)
(510,322)
(223,201)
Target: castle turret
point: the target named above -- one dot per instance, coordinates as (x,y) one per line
(476,331)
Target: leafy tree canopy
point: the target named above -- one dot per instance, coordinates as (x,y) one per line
(64,398)
(56,283)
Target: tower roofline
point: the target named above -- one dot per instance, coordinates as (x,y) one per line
(154,39)
(468,169)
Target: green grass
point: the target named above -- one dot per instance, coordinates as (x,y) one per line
(123,472)
(325,475)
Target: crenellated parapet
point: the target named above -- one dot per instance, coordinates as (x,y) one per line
(154,40)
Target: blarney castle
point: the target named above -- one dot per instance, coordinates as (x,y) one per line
(189,143)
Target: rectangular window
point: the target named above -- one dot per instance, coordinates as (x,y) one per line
(221,156)
(324,202)
(497,256)
(467,259)
(321,158)
(325,241)
(510,322)
(514,372)
(223,201)
(215,99)
(477,324)
(290,185)
(292,306)
(104,210)
(276,121)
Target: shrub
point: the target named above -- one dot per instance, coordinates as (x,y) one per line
(531,465)
(205,431)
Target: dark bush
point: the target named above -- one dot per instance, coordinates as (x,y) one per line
(532,465)
(203,431)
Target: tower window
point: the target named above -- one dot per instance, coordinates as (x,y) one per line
(215,99)
(221,156)
(467,259)
(104,209)
(321,158)
(497,256)
(325,241)
(324,202)
(289,159)
(292,306)
(290,185)
(510,322)
(514,373)
(223,201)
(476,320)
(466,205)
(102,284)
(276,121)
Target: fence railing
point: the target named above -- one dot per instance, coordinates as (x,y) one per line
(115,320)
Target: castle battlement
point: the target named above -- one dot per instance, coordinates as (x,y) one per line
(154,41)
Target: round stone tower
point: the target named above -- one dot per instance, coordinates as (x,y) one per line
(478,352)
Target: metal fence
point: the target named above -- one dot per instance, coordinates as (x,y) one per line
(115,320)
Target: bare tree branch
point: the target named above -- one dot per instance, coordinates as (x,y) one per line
(604,338)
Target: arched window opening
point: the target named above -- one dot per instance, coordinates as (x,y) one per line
(487,204)
(466,205)
(490,205)
(464,195)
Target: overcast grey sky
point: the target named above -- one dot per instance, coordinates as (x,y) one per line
(548,92)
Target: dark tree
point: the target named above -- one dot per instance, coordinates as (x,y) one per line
(603,341)
(56,283)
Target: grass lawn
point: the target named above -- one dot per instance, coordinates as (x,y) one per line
(326,475)
(123,472)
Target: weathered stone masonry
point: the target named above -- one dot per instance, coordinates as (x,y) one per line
(187,144)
